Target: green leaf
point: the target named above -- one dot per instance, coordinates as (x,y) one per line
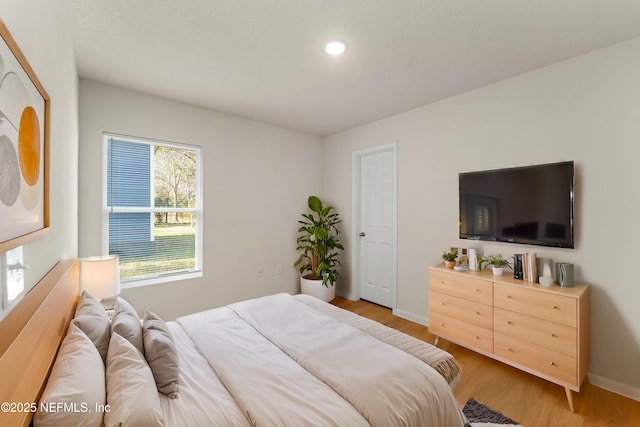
(315,204)
(321,233)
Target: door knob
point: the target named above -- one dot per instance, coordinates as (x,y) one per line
(362,234)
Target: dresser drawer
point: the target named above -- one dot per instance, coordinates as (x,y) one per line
(468,311)
(462,286)
(548,335)
(547,362)
(536,303)
(463,333)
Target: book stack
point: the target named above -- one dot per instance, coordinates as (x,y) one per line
(529,267)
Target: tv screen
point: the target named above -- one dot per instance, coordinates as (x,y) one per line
(530,205)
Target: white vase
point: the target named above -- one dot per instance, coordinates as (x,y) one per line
(315,288)
(497,271)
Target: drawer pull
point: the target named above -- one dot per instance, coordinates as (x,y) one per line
(477,337)
(509,350)
(509,322)
(478,290)
(554,336)
(509,297)
(477,313)
(442,282)
(552,363)
(441,303)
(555,307)
(441,324)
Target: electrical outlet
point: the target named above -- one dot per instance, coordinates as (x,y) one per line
(279,269)
(259,271)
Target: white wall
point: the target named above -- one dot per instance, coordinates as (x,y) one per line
(585,109)
(257,178)
(40,30)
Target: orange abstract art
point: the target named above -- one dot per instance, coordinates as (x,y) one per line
(24,107)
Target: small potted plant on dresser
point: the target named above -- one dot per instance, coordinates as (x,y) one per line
(449,259)
(318,241)
(497,263)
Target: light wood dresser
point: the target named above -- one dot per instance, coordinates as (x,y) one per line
(541,330)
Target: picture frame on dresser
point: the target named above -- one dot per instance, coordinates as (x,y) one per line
(24,148)
(542,330)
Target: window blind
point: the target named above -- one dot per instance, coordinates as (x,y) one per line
(153,207)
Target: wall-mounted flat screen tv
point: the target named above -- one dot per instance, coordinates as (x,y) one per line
(530,205)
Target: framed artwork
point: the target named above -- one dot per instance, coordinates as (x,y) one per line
(24,148)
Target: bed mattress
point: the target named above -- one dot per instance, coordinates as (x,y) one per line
(286,360)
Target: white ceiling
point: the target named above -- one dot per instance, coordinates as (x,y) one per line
(263,59)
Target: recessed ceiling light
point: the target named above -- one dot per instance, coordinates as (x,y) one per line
(335,47)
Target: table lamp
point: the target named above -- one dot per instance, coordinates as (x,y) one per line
(100,277)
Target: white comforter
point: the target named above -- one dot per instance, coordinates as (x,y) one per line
(203,399)
(286,364)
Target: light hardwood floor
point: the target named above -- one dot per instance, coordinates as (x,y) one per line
(523,397)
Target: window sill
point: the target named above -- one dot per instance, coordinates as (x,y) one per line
(161,279)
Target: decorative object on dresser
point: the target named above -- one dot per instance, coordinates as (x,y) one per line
(497,263)
(530,267)
(564,274)
(463,257)
(475,259)
(318,241)
(546,279)
(541,330)
(449,259)
(517,266)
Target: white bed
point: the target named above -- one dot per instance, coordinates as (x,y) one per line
(280,360)
(288,364)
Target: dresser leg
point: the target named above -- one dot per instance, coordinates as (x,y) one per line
(569,398)
(436,341)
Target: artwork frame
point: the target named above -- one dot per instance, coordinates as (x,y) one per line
(24,148)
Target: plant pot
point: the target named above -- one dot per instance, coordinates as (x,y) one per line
(449,264)
(315,288)
(497,271)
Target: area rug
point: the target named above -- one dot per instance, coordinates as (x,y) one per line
(480,415)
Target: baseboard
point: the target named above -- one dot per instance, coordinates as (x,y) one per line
(397,312)
(616,387)
(410,316)
(348,296)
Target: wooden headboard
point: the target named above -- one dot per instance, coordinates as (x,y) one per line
(30,336)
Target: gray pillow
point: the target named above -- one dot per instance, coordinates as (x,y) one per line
(126,323)
(161,354)
(92,319)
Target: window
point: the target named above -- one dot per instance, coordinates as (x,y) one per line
(11,279)
(152,209)
(481,218)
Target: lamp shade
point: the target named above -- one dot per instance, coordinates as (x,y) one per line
(100,276)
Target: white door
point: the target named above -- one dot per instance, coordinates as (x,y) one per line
(377,253)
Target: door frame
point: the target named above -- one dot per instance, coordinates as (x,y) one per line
(356,210)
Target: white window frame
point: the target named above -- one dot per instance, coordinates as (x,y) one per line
(106,210)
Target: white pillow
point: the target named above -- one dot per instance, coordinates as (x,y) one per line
(76,379)
(131,391)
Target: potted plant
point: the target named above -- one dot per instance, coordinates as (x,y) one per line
(497,263)
(449,259)
(318,241)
